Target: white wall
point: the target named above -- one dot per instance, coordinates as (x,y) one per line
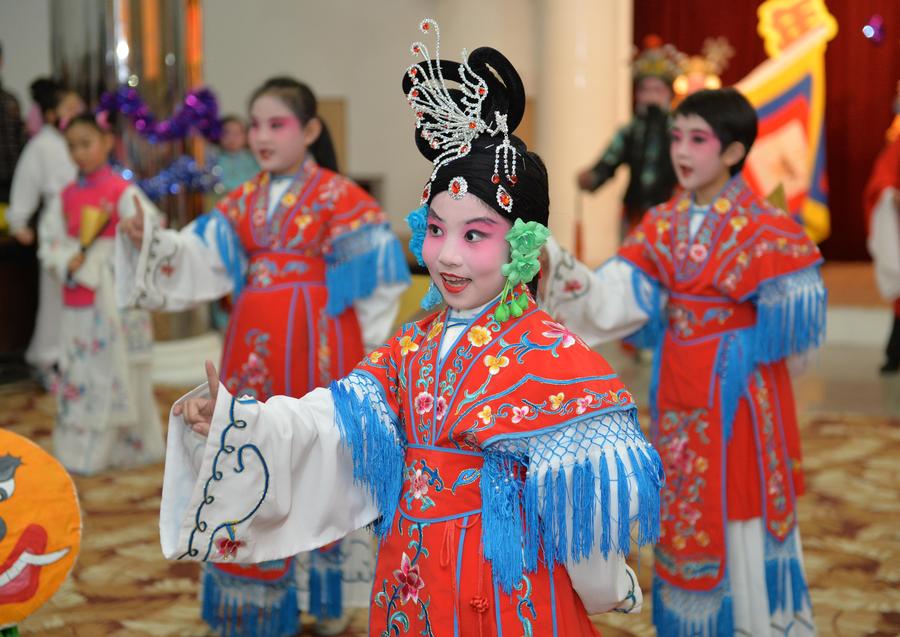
(25,33)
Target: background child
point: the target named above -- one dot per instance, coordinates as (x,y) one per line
(106,415)
(44,168)
(726,288)
(234,159)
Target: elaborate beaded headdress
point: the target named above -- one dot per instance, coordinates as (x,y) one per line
(449,120)
(657,60)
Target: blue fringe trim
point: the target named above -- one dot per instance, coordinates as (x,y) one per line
(784,575)
(678,612)
(790,319)
(502,534)
(334,584)
(359,262)
(648,295)
(734,365)
(377,452)
(228,244)
(238,607)
(432,298)
(790,315)
(315,592)
(551,529)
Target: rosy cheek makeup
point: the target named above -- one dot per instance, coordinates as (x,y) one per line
(488,254)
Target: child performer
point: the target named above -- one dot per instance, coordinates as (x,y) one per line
(882,207)
(499,459)
(726,288)
(107,414)
(43,169)
(316,274)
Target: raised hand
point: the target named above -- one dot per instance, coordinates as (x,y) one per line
(133,227)
(25,236)
(198,412)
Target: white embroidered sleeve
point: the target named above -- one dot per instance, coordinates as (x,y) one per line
(172,270)
(271,480)
(55,247)
(600,306)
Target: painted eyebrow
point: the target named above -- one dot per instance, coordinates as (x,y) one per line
(488,220)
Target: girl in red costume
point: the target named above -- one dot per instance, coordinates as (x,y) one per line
(498,458)
(316,274)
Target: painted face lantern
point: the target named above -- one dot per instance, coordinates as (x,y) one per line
(40,527)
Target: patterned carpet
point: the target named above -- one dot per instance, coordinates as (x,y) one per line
(121,586)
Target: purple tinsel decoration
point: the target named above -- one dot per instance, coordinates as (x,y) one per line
(182,175)
(199,111)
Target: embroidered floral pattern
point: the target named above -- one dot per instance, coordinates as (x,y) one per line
(408,345)
(228,548)
(479,336)
(558,331)
(495,363)
(681,505)
(424,403)
(409,579)
(253,378)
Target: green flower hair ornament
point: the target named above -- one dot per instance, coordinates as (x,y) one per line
(525,243)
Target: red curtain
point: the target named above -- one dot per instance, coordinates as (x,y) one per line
(861,79)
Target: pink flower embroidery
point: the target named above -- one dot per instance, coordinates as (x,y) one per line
(677,456)
(698,252)
(440,408)
(761,248)
(424,403)
(409,579)
(688,513)
(228,548)
(518,413)
(560,331)
(419,485)
(582,404)
(681,249)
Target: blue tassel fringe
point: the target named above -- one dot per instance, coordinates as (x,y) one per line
(231,251)
(361,261)
(678,612)
(376,451)
(232,606)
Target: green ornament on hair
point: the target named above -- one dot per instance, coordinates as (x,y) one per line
(525,243)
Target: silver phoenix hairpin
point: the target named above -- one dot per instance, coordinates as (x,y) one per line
(452,129)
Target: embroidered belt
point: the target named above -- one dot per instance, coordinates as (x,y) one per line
(691,318)
(440,483)
(266,269)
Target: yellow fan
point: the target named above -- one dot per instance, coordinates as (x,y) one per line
(93,221)
(778,198)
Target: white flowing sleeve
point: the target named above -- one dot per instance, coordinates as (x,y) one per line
(271,480)
(55,247)
(604,305)
(176,270)
(25,191)
(377,313)
(884,243)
